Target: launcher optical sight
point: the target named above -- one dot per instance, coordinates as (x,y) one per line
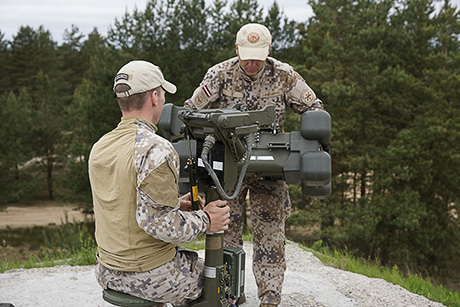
(233,143)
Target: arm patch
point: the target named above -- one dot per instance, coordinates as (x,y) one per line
(161,185)
(200,98)
(308,96)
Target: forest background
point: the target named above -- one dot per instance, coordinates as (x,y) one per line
(387,71)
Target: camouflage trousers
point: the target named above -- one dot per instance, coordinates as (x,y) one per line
(270,207)
(178,281)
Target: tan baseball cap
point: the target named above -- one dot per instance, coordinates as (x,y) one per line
(141,76)
(253,42)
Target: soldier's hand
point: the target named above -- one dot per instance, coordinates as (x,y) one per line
(185,202)
(219,213)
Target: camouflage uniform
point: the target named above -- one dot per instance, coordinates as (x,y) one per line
(179,279)
(277,84)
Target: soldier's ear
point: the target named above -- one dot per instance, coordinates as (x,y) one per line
(153,97)
(236,50)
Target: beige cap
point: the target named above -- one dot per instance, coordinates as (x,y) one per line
(141,76)
(253,42)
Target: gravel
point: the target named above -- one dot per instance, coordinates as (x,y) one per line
(308,283)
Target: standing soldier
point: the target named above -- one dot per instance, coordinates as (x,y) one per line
(257,80)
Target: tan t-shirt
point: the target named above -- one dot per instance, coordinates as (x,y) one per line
(134,174)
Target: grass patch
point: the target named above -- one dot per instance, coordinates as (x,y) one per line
(412,282)
(72,243)
(197,244)
(50,258)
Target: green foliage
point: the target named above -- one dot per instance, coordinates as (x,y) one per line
(197,244)
(75,186)
(85,254)
(17,167)
(381,69)
(71,237)
(415,283)
(71,243)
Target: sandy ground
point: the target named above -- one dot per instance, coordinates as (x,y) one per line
(23,216)
(308,283)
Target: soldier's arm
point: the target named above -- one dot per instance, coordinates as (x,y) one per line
(206,93)
(170,224)
(301,97)
(158,208)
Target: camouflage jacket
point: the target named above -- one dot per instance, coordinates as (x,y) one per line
(226,84)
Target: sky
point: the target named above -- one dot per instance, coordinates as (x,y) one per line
(58,15)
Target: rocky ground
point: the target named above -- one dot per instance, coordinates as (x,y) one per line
(307,283)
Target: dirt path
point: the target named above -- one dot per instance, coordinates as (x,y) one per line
(27,216)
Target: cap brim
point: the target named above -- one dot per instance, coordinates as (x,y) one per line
(259,54)
(169,87)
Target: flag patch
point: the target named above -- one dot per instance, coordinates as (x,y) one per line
(206,91)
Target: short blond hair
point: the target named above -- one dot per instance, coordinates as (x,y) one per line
(133,102)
